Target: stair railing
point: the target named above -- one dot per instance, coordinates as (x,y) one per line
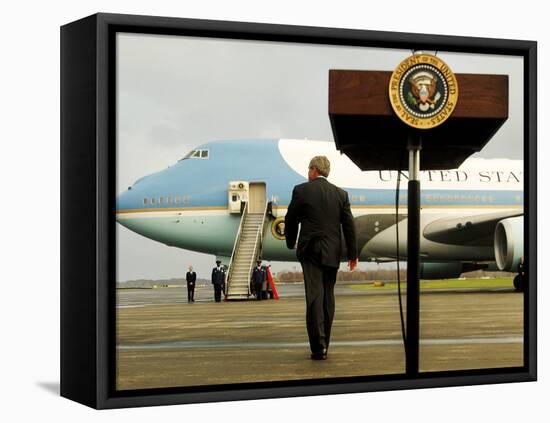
(235,248)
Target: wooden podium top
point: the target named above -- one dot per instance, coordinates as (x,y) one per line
(367,130)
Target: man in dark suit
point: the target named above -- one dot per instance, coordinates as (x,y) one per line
(191,278)
(258,278)
(218,280)
(324,212)
(521,278)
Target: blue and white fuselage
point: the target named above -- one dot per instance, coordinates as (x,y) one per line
(187,206)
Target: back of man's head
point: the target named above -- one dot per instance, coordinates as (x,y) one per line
(321,164)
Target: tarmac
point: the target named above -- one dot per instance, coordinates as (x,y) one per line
(164,341)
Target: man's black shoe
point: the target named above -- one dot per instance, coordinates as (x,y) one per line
(321,355)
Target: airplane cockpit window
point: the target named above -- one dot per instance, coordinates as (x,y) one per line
(196,154)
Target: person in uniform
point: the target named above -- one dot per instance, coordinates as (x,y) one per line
(269,288)
(521,279)
(323,211)
(224,268)
(264,284)
(218,280)
(191,278)
(258,277)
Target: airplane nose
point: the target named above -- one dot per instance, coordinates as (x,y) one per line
(134,198)
(129,200)
(121,205)
(132,212)
(128,206)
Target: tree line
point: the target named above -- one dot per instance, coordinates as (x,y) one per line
(381,275)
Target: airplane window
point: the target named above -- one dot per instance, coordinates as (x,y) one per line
(145,201)
(177,199)
(188,155)
(196,154)
(153,200)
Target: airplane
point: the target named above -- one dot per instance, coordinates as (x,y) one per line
(471,217)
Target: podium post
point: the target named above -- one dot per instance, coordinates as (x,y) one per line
(413,259)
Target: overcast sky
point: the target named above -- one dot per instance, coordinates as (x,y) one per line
(174,93)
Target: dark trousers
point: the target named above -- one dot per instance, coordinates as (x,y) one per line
(319,284)
(217,292)
(190,293)
(258,289)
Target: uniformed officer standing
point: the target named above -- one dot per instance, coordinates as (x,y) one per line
(191,278)
(218,280)
(259,275)
(521,279)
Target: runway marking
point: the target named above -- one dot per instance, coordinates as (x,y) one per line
(131,304)
(123,302)
(372,343)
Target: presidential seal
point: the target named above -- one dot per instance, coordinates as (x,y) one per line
(278,228)
(423,91)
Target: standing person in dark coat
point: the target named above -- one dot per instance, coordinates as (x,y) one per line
(324,212)
(521,279)
(191,278)
(218,280)
(224,268)
(259,275)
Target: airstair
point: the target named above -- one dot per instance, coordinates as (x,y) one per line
(247,249)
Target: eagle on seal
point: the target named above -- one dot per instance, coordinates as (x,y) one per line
(423,86)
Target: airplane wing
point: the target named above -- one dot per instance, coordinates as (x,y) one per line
(467,230)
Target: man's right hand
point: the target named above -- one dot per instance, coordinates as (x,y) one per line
(353,264)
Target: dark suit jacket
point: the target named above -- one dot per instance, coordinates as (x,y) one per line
(218,276)
(323,210)
(259,275)
(191,278)
(521,268)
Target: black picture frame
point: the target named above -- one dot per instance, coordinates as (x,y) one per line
(88,204)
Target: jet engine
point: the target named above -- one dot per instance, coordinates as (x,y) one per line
(508,243)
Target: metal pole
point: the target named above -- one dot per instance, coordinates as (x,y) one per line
(413,258)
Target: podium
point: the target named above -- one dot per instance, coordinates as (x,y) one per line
(367,130)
